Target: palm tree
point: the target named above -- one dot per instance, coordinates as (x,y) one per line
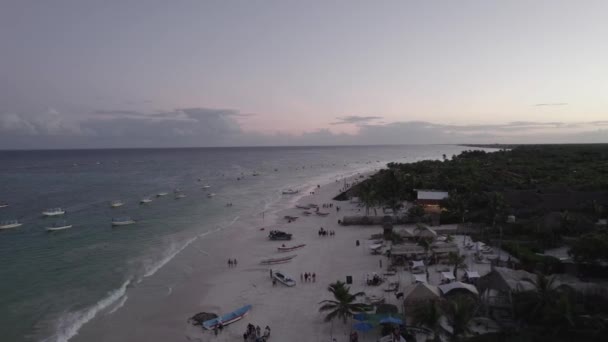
(459,311)
(535,303)
(367,195)
(459,262)
(343,305)
(428,315)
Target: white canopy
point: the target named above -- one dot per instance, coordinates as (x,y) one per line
(448,275)
(417,263)
(419,278)
(472,274)
(445,288)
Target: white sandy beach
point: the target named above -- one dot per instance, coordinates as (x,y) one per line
(156,313)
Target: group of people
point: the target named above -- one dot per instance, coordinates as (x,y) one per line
(323,232)
(354,337)
(254,334)
(232,262)
(308,277)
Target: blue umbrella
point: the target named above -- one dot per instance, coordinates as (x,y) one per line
(391,320)
(361,316)
(363,326)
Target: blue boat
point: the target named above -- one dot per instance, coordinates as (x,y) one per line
(227,318)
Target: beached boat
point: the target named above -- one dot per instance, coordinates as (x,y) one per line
(122,221)
(53,212)
(227,318)
(320,213)
(305,207)
(10,224)
(161,194)
(116,204)
(283,278)
(178,196)
(307,213)
(273,261)
(289,249)
(279,235)
(290,192)
(145,200)
(211,195)
(58,226)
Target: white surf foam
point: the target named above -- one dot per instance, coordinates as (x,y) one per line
(119,305)
(69,324)
(171,253)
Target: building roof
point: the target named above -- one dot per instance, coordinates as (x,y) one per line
(407,248)
(472,274)
(434,195)
(417,263)
(420,291)
(508,280)
(456,285)
(448,275)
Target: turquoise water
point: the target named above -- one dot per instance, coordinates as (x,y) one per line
(52,283)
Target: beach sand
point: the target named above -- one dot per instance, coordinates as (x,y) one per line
(155,312)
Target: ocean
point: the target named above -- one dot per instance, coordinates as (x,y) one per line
(54,283)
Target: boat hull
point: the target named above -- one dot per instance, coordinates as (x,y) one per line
(274,261)
(284,279)
(53,229)
(11,226)
(115,224)
(289,249)
(50,214)
(228,318)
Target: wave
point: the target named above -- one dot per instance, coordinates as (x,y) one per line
(170,255)
(69,325)
(119,305)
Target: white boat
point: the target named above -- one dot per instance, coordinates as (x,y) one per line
(145,200)
(290,192)
(58,226)
(283,278)
(122,221)
(161,194)
(206,186)
(211,195)
(178,196)
(116,204)
(53,212)
(3,205)
(176,190)
(10,224)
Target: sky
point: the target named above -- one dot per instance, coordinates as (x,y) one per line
(122,73)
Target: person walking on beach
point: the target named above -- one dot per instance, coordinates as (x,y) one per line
(270,274)
(314,277)
(306,277)
(235,262)
(229,262)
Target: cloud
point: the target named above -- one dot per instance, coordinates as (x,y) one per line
(186,127)
(551,104)
(355,119)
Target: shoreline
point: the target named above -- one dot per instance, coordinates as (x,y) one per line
(207,284)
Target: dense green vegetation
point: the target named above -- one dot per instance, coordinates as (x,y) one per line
(552,191)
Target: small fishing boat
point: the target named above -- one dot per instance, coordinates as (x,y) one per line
(283,278)
(58,226)
(305,207)
(206,186)
(10,224)
(255,174)
(161,194)
(289,249)
(145,200)
(122,221)
(177,190)
(319,213)
(307,213)
(211,195)
(3,204)
(227,318)
(279,235)
(116,204)
(290,192)
(178,196)
(273,261)
(53,212)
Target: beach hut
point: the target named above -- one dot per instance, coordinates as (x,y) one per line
(419,294)
(417,267)
(420,278)
(447,277)
(471,276)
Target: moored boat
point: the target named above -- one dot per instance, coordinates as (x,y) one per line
(272,261)
(206,186)
(178,196)
(3,204)
(58,226)
(145,200)
(117,203)
(283,278)
(53,212)
(211,195)
(320,213)
(305,207)
(161,194)
(227,318)
(290,192)
(122,221)
(10,224)
(290,248)
(279,235)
